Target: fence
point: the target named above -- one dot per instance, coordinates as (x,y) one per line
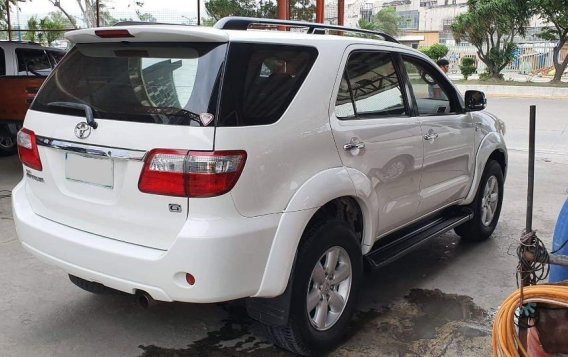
(529,58)
(43,22)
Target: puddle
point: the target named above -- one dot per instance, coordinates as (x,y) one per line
(237,337)
(425,323)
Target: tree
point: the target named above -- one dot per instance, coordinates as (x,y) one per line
(302,10)
(218,9)
(436,51)
(555,12)
(33,27)
(54,21)
(467,67)
(3,13)
(386,21)
(491,26)
(89,12)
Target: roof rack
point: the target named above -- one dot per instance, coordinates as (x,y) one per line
(243,23)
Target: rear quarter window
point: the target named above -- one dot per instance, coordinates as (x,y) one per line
(261,80)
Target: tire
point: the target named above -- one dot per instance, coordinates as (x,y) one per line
(304,333)
(482,226)
(8,145)
(92,287)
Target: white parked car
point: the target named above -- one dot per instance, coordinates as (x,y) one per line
(210,164)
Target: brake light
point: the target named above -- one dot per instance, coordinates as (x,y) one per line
(27,149)
(113,33)
(191,173)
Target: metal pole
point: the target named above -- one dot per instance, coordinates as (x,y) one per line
(282,9)
(98,14)
(319,11)
(8,18)
(530,190)
(340,12)
(198,12)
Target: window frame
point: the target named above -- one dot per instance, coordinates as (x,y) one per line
(402,81)
(441,79)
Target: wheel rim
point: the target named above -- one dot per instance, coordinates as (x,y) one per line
(6,142)
(489,201)
(329,288)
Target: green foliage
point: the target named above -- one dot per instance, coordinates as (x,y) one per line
(436,51)
(491,25)
(54,21)
(386,21)
(486,76)
(217,9)
(467,67)
(302,10)
(554,12)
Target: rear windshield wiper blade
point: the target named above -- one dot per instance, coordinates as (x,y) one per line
(79,106)
(179,112)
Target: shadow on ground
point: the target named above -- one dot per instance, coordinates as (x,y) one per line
(424,323)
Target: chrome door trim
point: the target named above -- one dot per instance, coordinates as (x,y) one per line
(91,150)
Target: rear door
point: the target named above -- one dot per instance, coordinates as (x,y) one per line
(143,96)
(448,136)
(376,134)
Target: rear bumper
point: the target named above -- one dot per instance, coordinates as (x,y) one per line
(227,257)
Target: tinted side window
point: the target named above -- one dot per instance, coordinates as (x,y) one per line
(32,62)
(433,97)
(55,57)
(2,63)
(370,87)
(260,82)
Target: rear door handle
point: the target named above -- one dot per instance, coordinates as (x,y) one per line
(354,144)
(431,136)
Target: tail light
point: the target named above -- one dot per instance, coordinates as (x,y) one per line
(191,173)
(27,149)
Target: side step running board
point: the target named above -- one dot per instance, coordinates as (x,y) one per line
(390,248)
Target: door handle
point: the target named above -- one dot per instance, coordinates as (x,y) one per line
(354,144)
(431,136)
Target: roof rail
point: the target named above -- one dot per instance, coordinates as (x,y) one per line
(243,23)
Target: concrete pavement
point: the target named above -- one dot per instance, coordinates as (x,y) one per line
(437,301)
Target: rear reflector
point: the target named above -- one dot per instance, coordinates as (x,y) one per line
(191,173)
(27,149)
(113,33)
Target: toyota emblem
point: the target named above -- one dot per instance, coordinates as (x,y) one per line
(82,130)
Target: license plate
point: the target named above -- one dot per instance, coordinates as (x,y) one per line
(91,170)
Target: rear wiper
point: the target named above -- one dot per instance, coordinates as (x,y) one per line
(180,113)
(79,106)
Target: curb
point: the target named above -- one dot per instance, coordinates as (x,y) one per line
(517,91)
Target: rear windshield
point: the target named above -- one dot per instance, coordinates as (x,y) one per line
(174,84)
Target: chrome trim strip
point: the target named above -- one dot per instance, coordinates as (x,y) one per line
(91,150)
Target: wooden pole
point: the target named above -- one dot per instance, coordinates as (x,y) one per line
(8,18)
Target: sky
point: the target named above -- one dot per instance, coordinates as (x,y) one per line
(175,11)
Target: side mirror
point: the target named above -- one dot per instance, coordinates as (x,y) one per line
(475,100)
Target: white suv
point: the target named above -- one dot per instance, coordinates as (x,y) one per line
(210,164)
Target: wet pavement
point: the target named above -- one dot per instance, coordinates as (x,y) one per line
(436,301)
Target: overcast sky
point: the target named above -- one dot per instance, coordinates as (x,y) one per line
(163,10)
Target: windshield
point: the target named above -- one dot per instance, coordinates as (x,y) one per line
(175,84)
